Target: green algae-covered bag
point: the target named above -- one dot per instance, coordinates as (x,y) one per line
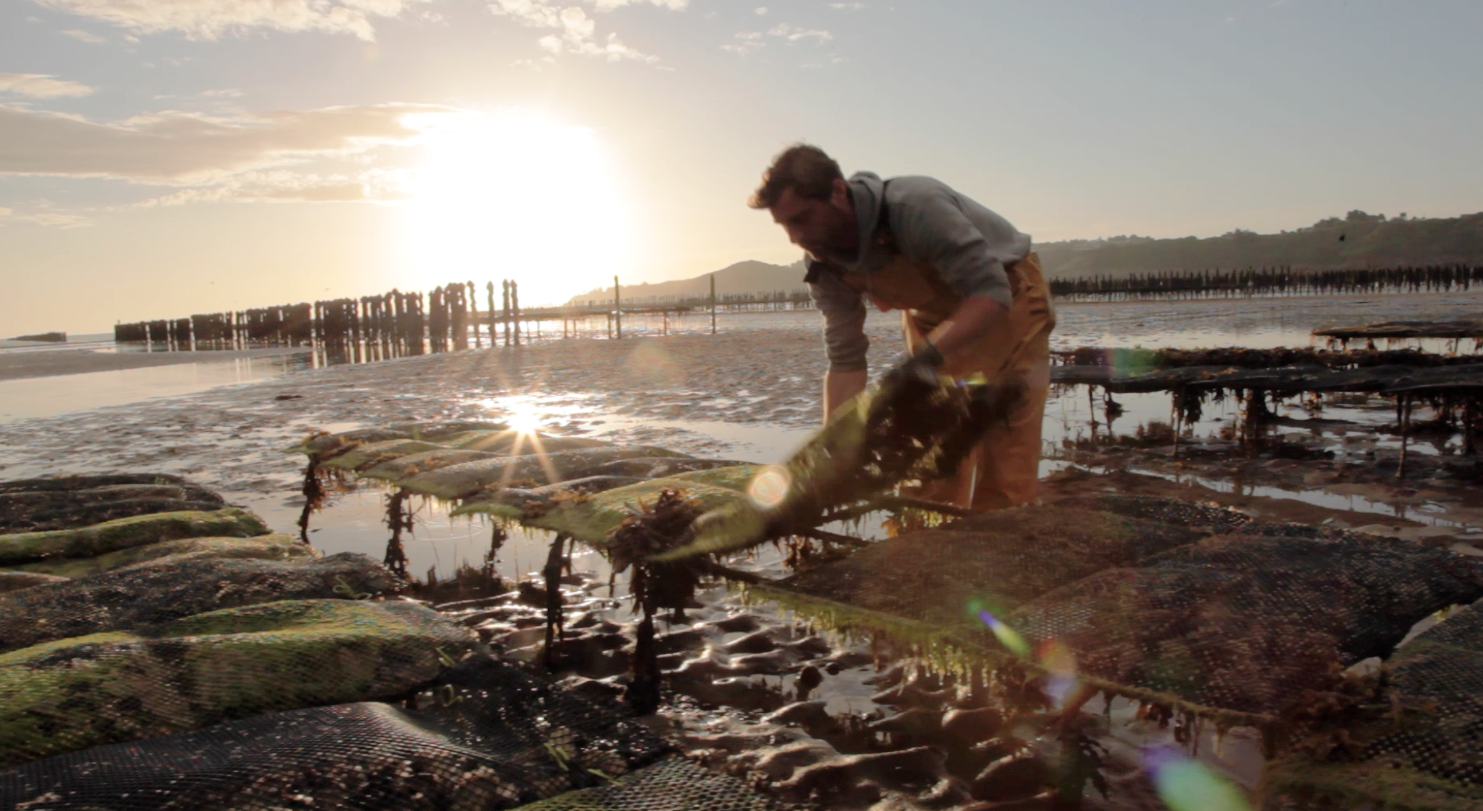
(165,589)
(372,453)
(122,533)
(273,546)
(464,480)
(592,517)
(901,431)
(105,688)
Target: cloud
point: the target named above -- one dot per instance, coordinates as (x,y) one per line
(89,38)
(793,33)
(847,6)
(184,148)
(284,186)
(210,19)
(40,86)
(577,30)
(50,219)
(672,5)
(761,11)
(748,41)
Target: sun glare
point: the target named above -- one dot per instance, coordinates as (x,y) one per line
(523,419)
(513,196)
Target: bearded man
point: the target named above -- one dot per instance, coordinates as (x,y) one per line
(972,298)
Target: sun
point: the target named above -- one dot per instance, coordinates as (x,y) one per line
(523,419)
(514,196)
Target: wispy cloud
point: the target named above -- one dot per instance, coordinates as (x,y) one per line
(185,148)
(84,36)
(746,42)
(41,86)
(847,6)
(794,33)
(577,33)
(285,186)
(210,19)
(749,41)
(50,219)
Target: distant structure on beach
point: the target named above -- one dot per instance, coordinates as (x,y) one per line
(45,337)
(396,323)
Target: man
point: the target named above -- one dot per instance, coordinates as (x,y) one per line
(970,292)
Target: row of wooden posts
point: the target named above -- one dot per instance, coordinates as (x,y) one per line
(1270,281)
(397,323)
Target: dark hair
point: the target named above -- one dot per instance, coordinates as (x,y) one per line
(803,168)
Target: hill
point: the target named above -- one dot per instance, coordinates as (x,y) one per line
(743,277)
(1359,240)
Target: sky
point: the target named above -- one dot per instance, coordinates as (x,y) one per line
(160,158)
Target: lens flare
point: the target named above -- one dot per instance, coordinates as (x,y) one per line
(1060,663)
(1188,785)
(524,419)
(1007,636)
(769,487)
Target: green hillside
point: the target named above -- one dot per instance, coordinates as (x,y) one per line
(1358,240)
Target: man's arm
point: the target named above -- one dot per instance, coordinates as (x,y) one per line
(840,385)
(844,339)
(932,228)
(972,318)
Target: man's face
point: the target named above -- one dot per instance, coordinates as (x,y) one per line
(824,228)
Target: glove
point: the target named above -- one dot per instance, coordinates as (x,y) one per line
(917,370)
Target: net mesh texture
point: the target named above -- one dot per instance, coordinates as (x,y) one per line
(487,735)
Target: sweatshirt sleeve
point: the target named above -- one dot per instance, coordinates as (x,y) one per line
(844,322)
(930,227)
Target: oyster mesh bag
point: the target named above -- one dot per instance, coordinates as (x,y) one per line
(1430,755)
(1247,623)
(905,430)
(486,735)
(1240,624)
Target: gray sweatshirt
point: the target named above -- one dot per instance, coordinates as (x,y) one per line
(967,244)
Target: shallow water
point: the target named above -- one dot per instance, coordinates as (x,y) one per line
(50,396)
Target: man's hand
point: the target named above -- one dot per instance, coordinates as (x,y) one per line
(918,370)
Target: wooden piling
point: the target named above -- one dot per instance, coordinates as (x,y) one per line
(515,308)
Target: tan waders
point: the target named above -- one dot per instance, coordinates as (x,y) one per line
(1004,470)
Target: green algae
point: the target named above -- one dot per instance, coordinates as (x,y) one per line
(123,533)
(957,651)
(372,453)
(273,546)
(401,467)
(1393,786)
(463,480)
(593,518)
(87,691)
(17,580)
(322,444)
(732,477)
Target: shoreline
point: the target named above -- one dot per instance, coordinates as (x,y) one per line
(59,362)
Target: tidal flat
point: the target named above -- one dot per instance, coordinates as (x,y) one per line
(750,394)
